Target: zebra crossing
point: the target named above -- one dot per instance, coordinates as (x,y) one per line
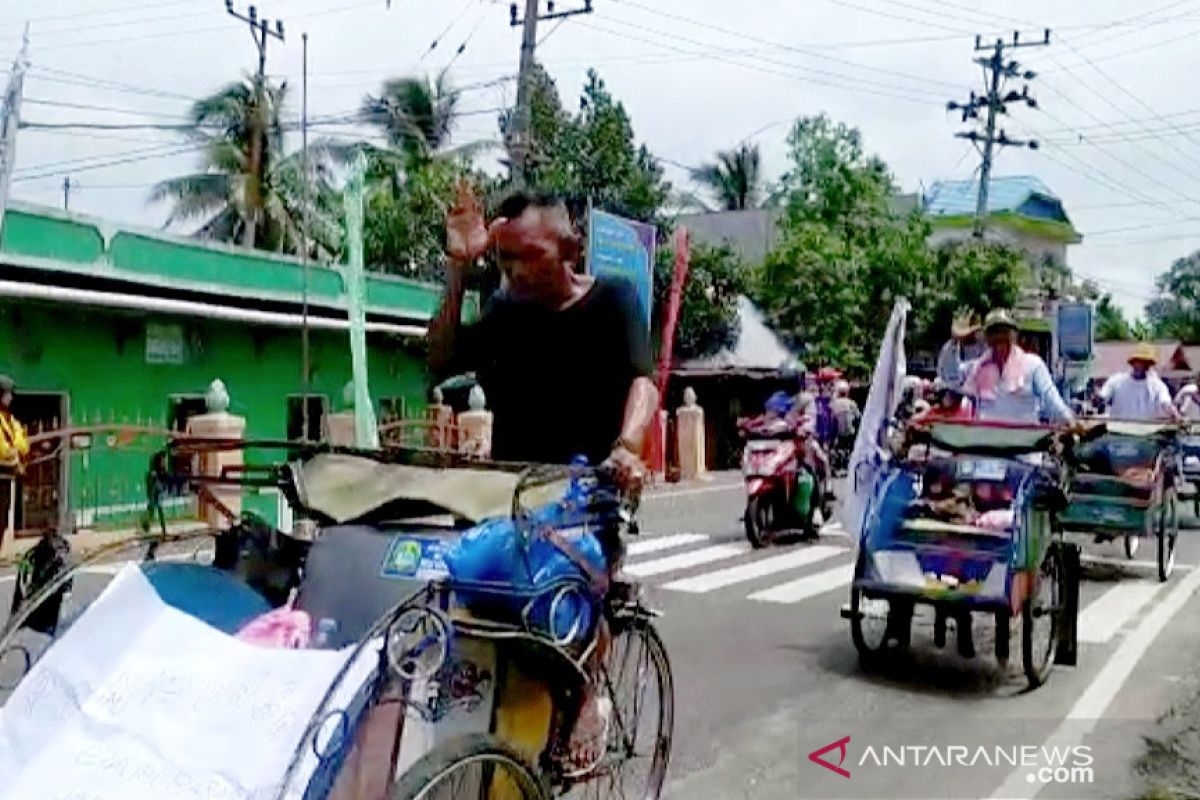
(690,564)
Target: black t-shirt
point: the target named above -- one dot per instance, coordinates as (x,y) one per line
(557,381)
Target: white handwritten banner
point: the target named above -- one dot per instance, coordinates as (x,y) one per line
(140,701)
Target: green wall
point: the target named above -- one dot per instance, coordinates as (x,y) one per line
(99,360)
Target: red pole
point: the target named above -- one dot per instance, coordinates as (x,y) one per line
(657,457)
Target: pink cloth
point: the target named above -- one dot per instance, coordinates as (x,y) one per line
(283,628)
(986,380)
(998,520)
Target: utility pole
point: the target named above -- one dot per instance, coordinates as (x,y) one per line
(519,136)
(260,31)
(67,193)
(10,122)
(996,73)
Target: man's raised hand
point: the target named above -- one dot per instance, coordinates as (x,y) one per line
(466,233)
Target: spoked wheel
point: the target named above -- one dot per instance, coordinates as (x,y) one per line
(874,621)
(475,767)
(1168,532)
(636,677)
(760,519)
(1040,619)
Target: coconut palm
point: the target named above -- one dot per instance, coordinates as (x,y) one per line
(734,179)
(417,115)
(226,195)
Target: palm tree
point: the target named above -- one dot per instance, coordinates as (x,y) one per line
(417,115)
(734,179)
(227,195)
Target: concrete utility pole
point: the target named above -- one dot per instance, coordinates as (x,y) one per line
(10,123)
(519,136)
(260,31)
(996,73)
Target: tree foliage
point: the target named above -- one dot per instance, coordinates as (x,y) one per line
(847,253)
(592,154)
(220,196)
(708,320)
(734,179)
(1174,313)
(1111,324)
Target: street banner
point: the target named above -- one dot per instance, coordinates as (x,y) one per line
(622,248)
(366,430)
(657,459)
(887,384)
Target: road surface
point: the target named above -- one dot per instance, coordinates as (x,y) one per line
(765,673)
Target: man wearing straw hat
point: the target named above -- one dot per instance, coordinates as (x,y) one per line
(963,347)
(1139,395)
(1010,384)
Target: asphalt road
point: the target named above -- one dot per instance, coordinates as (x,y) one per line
(765,673)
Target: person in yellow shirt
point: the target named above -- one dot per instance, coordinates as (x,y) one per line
(14,448)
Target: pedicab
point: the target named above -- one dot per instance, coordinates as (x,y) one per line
(421,568)
(1189,462)
(963,520)
(1125,484)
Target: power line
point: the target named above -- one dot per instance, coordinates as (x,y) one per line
(84,160)
(89,107)
(77,79)
(1136,170)
(824,77)
(924,79)
(1136,99)
(437,40)
(105,165)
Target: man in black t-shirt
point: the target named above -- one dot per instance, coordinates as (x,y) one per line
(563,358)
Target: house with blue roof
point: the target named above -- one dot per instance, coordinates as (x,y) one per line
(1022,212)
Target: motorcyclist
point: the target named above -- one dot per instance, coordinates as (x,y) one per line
(845,411)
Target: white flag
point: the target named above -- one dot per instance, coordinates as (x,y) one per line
(887,385)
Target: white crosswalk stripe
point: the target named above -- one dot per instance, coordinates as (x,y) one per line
(654,544)
(802,589)
(692,558)
(709,581)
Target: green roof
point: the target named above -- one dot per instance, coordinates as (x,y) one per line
(38,238)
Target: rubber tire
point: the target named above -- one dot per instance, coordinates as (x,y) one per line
(446,756)
(1036,674)
(1132,543)
(666,734)
(759,509)
(869,657)
(1168,534)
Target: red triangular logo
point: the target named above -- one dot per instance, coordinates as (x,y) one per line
(840,746)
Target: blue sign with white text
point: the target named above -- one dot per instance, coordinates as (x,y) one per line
(622,248)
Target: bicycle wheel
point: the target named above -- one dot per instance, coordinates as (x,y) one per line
(636,677)
(1168,532)
(475,767)
(1040,619)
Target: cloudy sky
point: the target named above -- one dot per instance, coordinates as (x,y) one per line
(1120,135)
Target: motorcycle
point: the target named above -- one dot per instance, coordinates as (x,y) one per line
(783,489)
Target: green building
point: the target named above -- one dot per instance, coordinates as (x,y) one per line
(103,324)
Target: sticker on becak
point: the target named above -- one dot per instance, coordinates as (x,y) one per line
(403,558)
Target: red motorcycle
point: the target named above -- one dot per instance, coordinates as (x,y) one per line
(784,489)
